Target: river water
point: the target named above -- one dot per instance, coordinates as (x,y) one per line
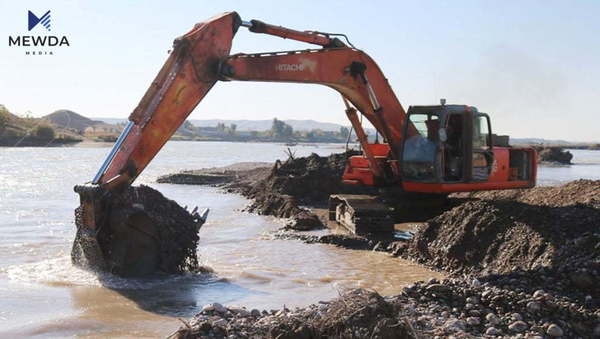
(44,295)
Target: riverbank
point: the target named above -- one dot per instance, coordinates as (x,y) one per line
(512,305)
(520,261)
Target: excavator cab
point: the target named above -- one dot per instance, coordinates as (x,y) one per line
(453,150)
(446,149)
(453,144)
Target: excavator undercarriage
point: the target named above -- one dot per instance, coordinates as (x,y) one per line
(361,214)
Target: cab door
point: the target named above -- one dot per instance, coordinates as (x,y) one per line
(482,150)
(467,148)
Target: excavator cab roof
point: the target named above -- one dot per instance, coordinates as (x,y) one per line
(441,109)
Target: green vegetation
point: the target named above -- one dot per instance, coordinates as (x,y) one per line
(281,130)
(3,118)
(44,132)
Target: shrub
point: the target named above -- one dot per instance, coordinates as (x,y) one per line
(3,118)
(44,132)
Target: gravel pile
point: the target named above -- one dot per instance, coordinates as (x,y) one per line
(512,305)
(556,227)
(357,314)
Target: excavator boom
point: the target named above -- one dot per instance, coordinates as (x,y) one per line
(188,74)
(201,57)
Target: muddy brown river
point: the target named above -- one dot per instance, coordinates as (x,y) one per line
(44,295)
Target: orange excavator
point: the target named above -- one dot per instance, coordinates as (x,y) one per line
(428,150)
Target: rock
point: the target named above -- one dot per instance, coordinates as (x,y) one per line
(582,280)
(219,308)
(438,288)
(220,323)
(516,316)
(205,326)
(305,221)
(473,300)
(454,325)
(239,311)
(302,332)
(518,326)
(554,331)
(475,282)
(493,319)
(397,248)
(533,306)
(255,313)
(475,313)
(473,321)
(208,308)
(538,293)
(492,331)
(596,332)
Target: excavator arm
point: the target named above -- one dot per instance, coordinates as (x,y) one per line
(201,57)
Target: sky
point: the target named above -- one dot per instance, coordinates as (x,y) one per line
(534,66)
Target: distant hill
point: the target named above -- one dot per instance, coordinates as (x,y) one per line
(253,125)
(29,131)
(70,120)
(532,141)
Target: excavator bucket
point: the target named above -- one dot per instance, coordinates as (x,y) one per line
(86,251)
(190,71)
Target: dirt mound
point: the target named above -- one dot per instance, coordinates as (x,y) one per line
(583,192)
(295,182)
(554,227)
(141,233)
(308,179)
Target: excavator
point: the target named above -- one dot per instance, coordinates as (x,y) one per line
(426,151)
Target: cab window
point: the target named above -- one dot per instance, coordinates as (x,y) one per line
(481,133)
(419,151)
